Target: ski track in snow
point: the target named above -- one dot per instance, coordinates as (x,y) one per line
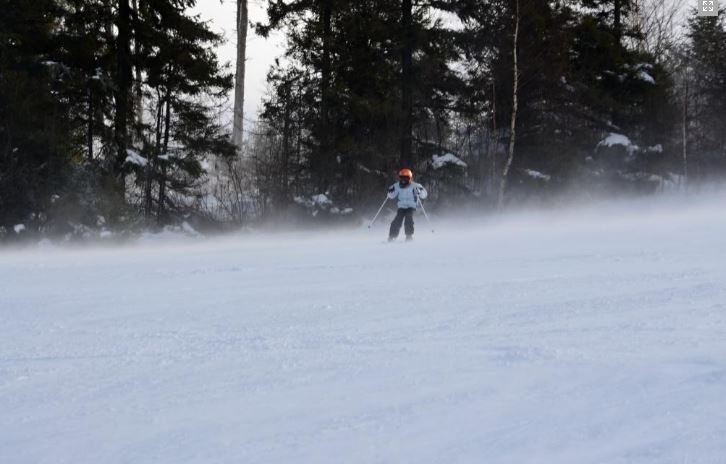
(591,338)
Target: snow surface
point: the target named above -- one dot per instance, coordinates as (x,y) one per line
(585,337)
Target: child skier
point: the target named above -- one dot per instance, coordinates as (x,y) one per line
(408,193)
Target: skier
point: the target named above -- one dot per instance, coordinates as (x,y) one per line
(408,193)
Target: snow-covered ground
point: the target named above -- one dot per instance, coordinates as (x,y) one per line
(596,336)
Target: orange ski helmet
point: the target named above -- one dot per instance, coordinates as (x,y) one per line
(406,173)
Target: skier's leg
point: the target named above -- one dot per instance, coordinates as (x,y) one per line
(396,224)
(409,222)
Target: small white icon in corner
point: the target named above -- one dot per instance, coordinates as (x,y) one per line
(708,8)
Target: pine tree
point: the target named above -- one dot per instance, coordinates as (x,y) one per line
(184,78)
(707,109)
(34,121)
(381,87)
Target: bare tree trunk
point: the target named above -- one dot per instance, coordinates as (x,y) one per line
(617,21)
(639,19)
(151,162)
(283,193)
(123,88)
(685,130)
(239,83)
(326,126)
(138,89)
(90,121)
(164,163)
(407,82)
(513,127)
(439,136)
(494,144)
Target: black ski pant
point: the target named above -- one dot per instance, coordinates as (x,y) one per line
(404,214)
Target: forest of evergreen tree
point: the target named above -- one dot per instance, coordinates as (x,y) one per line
(115,114)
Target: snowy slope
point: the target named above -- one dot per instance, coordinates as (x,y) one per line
(593,337)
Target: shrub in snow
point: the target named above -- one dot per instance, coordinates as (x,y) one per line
(445,179)
(614,148)
(620,164)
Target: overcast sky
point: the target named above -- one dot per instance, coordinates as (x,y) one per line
(260,52)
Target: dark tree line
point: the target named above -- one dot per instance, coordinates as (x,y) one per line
(369,86)
(107,110)
(111,110)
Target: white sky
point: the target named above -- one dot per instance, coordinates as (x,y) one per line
(260,52)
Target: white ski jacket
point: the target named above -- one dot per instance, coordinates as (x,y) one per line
(407,196)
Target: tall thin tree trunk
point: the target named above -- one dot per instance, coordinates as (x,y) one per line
(164,164)
(282,203)
(298,147)
(685,131)
(123,88)
(151,162)
(138,89)
(617,21)
(513,127)
(326,126)
(239,82)
(494,145)
(90,121)
(407,83)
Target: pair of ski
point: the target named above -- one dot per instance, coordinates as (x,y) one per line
(394,240)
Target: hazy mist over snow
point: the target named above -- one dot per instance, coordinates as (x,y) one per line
(590,335)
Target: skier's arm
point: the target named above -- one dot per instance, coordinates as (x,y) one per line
(392,192)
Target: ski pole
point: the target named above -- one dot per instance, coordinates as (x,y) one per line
(379,212)
(426,215)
